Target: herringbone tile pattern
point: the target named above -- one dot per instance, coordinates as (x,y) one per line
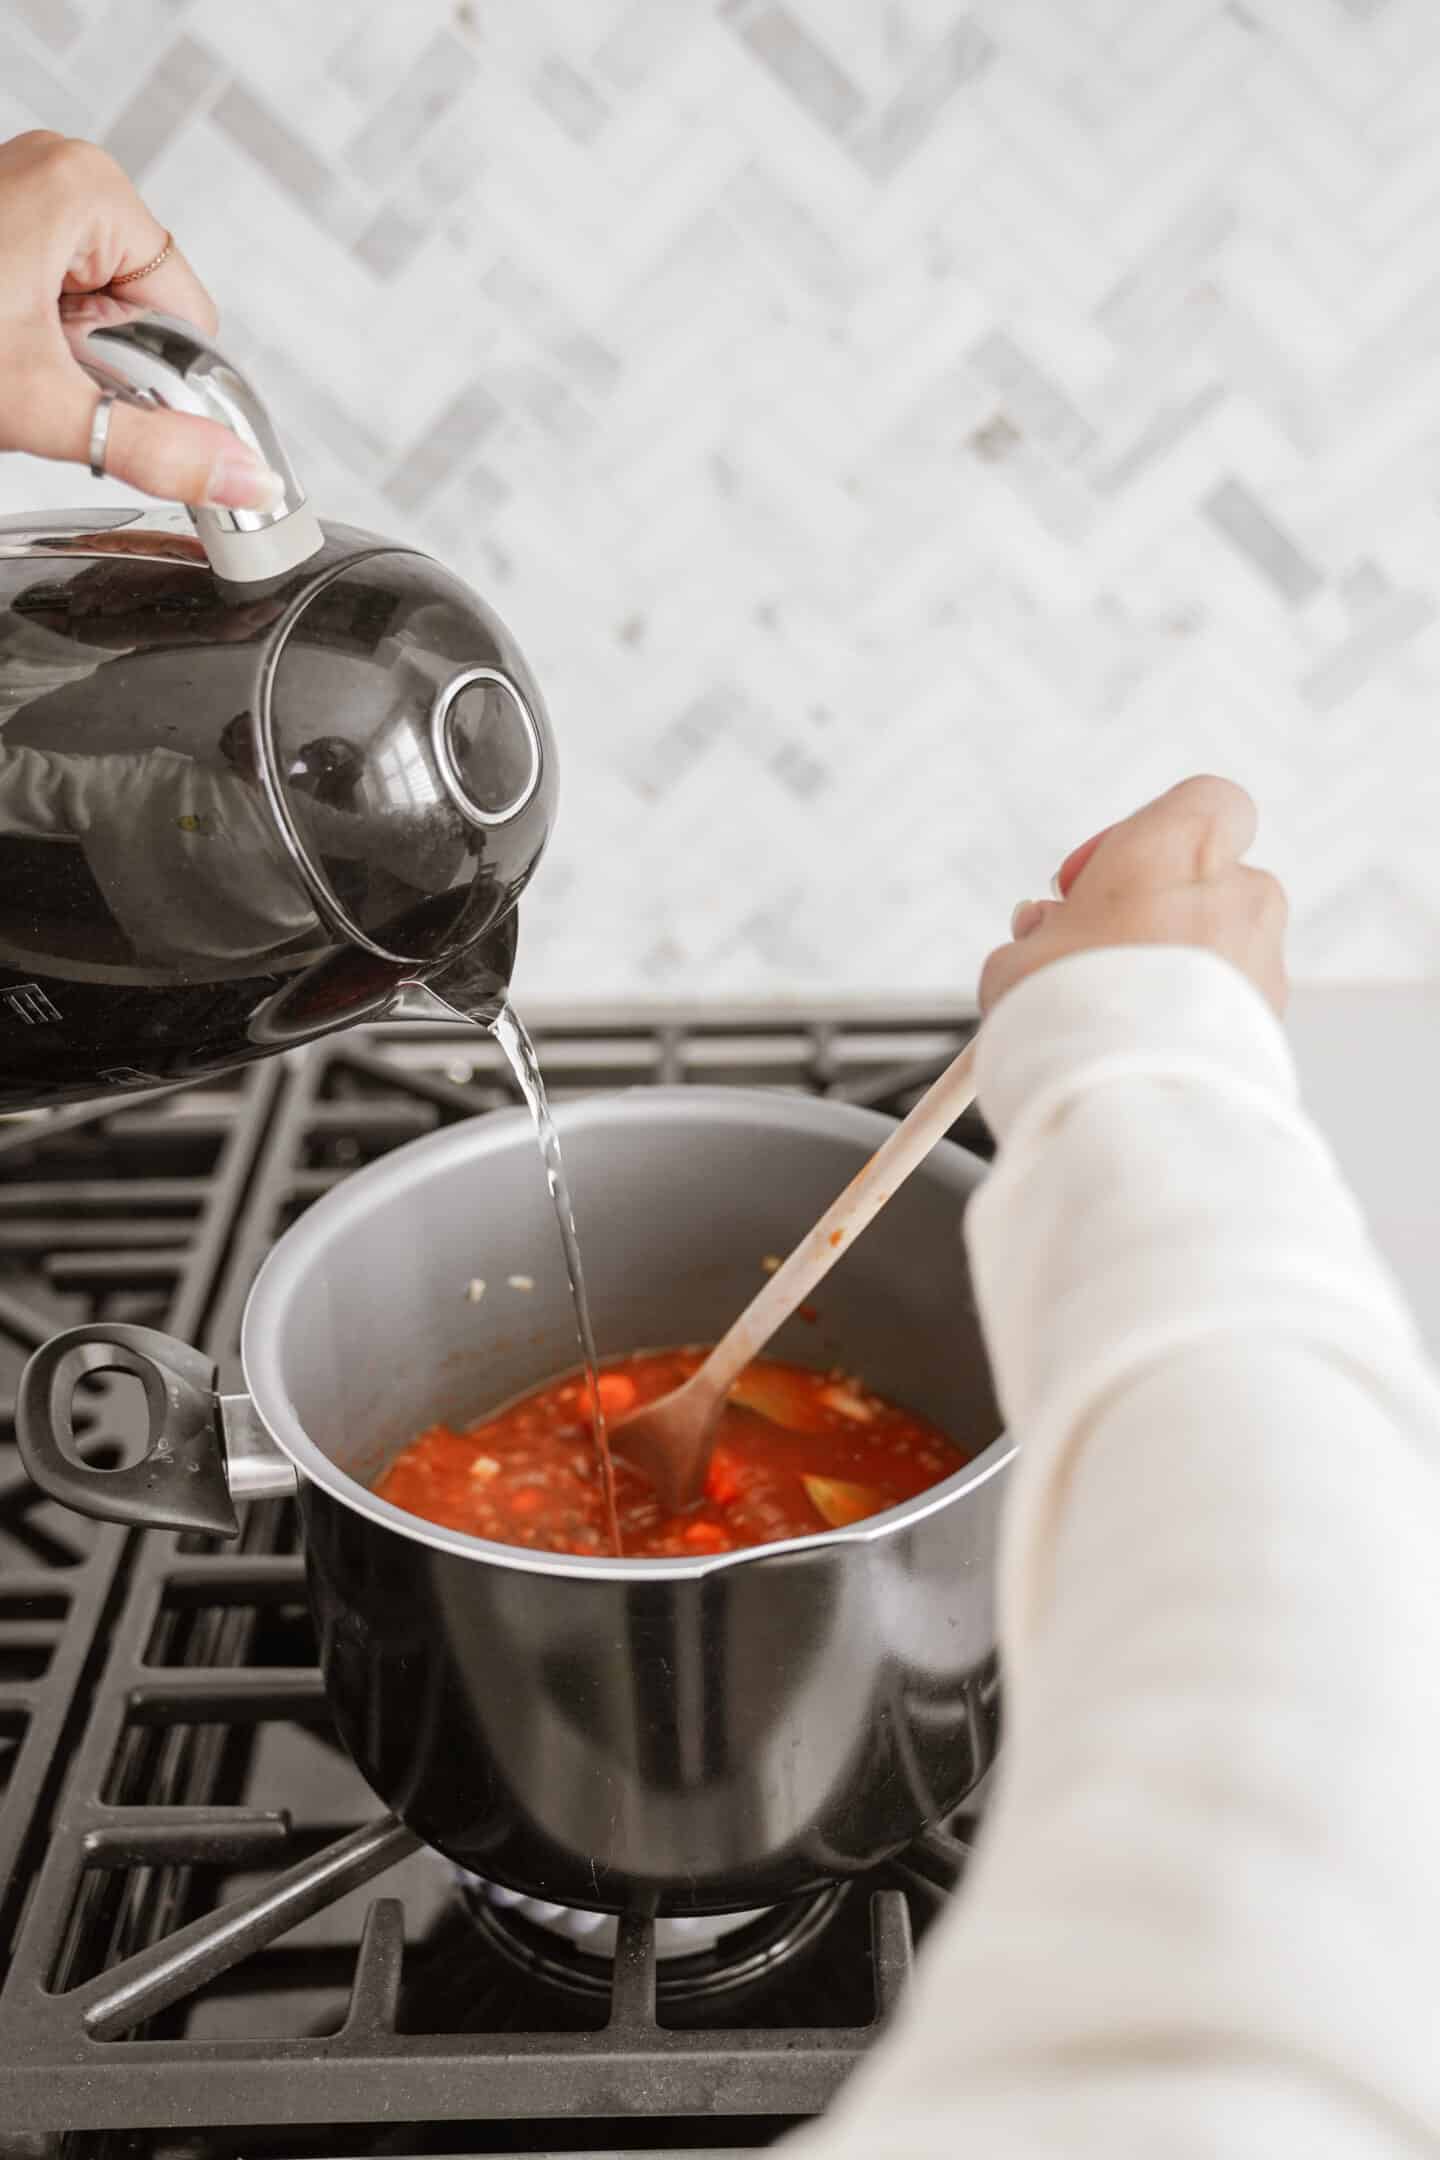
(902,434)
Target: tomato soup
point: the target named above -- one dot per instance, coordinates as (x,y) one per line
(795,1452)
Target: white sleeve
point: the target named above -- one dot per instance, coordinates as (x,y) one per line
(1205,1914)
(35,800)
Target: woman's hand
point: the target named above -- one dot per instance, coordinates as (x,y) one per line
(70,222)
(1170,875)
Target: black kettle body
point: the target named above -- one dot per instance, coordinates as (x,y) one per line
(238,811)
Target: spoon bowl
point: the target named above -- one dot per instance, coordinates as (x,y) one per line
(670,1440)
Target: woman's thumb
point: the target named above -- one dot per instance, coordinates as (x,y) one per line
(186,460)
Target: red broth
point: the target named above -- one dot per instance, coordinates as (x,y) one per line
(796,1451)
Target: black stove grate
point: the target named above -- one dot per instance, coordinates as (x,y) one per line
(192,1963)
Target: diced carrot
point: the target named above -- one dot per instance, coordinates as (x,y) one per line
(722,1478)
(527,1500)
(839,1503)
(705,1537)
(617,1393)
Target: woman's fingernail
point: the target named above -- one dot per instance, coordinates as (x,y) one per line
(239,481)
(1078,858)
(1028,916)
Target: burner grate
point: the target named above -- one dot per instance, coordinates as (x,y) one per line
(189,1943)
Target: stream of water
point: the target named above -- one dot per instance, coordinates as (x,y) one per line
(513,1037)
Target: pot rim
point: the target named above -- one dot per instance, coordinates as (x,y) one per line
(489,1133)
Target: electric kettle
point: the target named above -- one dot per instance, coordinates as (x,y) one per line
(258,774)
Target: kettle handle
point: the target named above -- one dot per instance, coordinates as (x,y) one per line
(152,360)
(184,1481)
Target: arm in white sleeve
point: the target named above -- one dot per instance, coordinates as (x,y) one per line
(1205,1914)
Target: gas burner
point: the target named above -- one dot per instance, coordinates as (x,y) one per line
(696,1958)
(599,1932)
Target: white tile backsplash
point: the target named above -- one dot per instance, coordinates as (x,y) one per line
(902,437)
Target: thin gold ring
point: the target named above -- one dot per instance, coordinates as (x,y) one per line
(129,277)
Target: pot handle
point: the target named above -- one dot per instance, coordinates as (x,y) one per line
(184,1481)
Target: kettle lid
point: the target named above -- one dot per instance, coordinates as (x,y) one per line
(406,753)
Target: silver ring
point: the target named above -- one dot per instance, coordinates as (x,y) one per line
(100,433)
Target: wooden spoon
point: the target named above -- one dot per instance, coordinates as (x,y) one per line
(669,1440)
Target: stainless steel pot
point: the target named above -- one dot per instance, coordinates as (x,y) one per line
(686,1735)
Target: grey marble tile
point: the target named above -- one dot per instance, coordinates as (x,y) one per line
(178,86)
(56,23)
(445,445)
(1178,260)
(911,116)
(1387,630)
(1234,512)
(1162,432)
(1032,397)
(799,770)
(802,65)
(120,42)
(440,74)
(570,98)
(284,156)
(387,243)
(523,299)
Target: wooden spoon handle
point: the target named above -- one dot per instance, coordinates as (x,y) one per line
(842,1222)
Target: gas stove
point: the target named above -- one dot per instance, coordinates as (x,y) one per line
(213,1943)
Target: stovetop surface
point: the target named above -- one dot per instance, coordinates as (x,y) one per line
(213,1943)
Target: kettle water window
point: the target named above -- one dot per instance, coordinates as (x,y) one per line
(408,755)
(487,746)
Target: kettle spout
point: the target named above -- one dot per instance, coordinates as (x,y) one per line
(475,984)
